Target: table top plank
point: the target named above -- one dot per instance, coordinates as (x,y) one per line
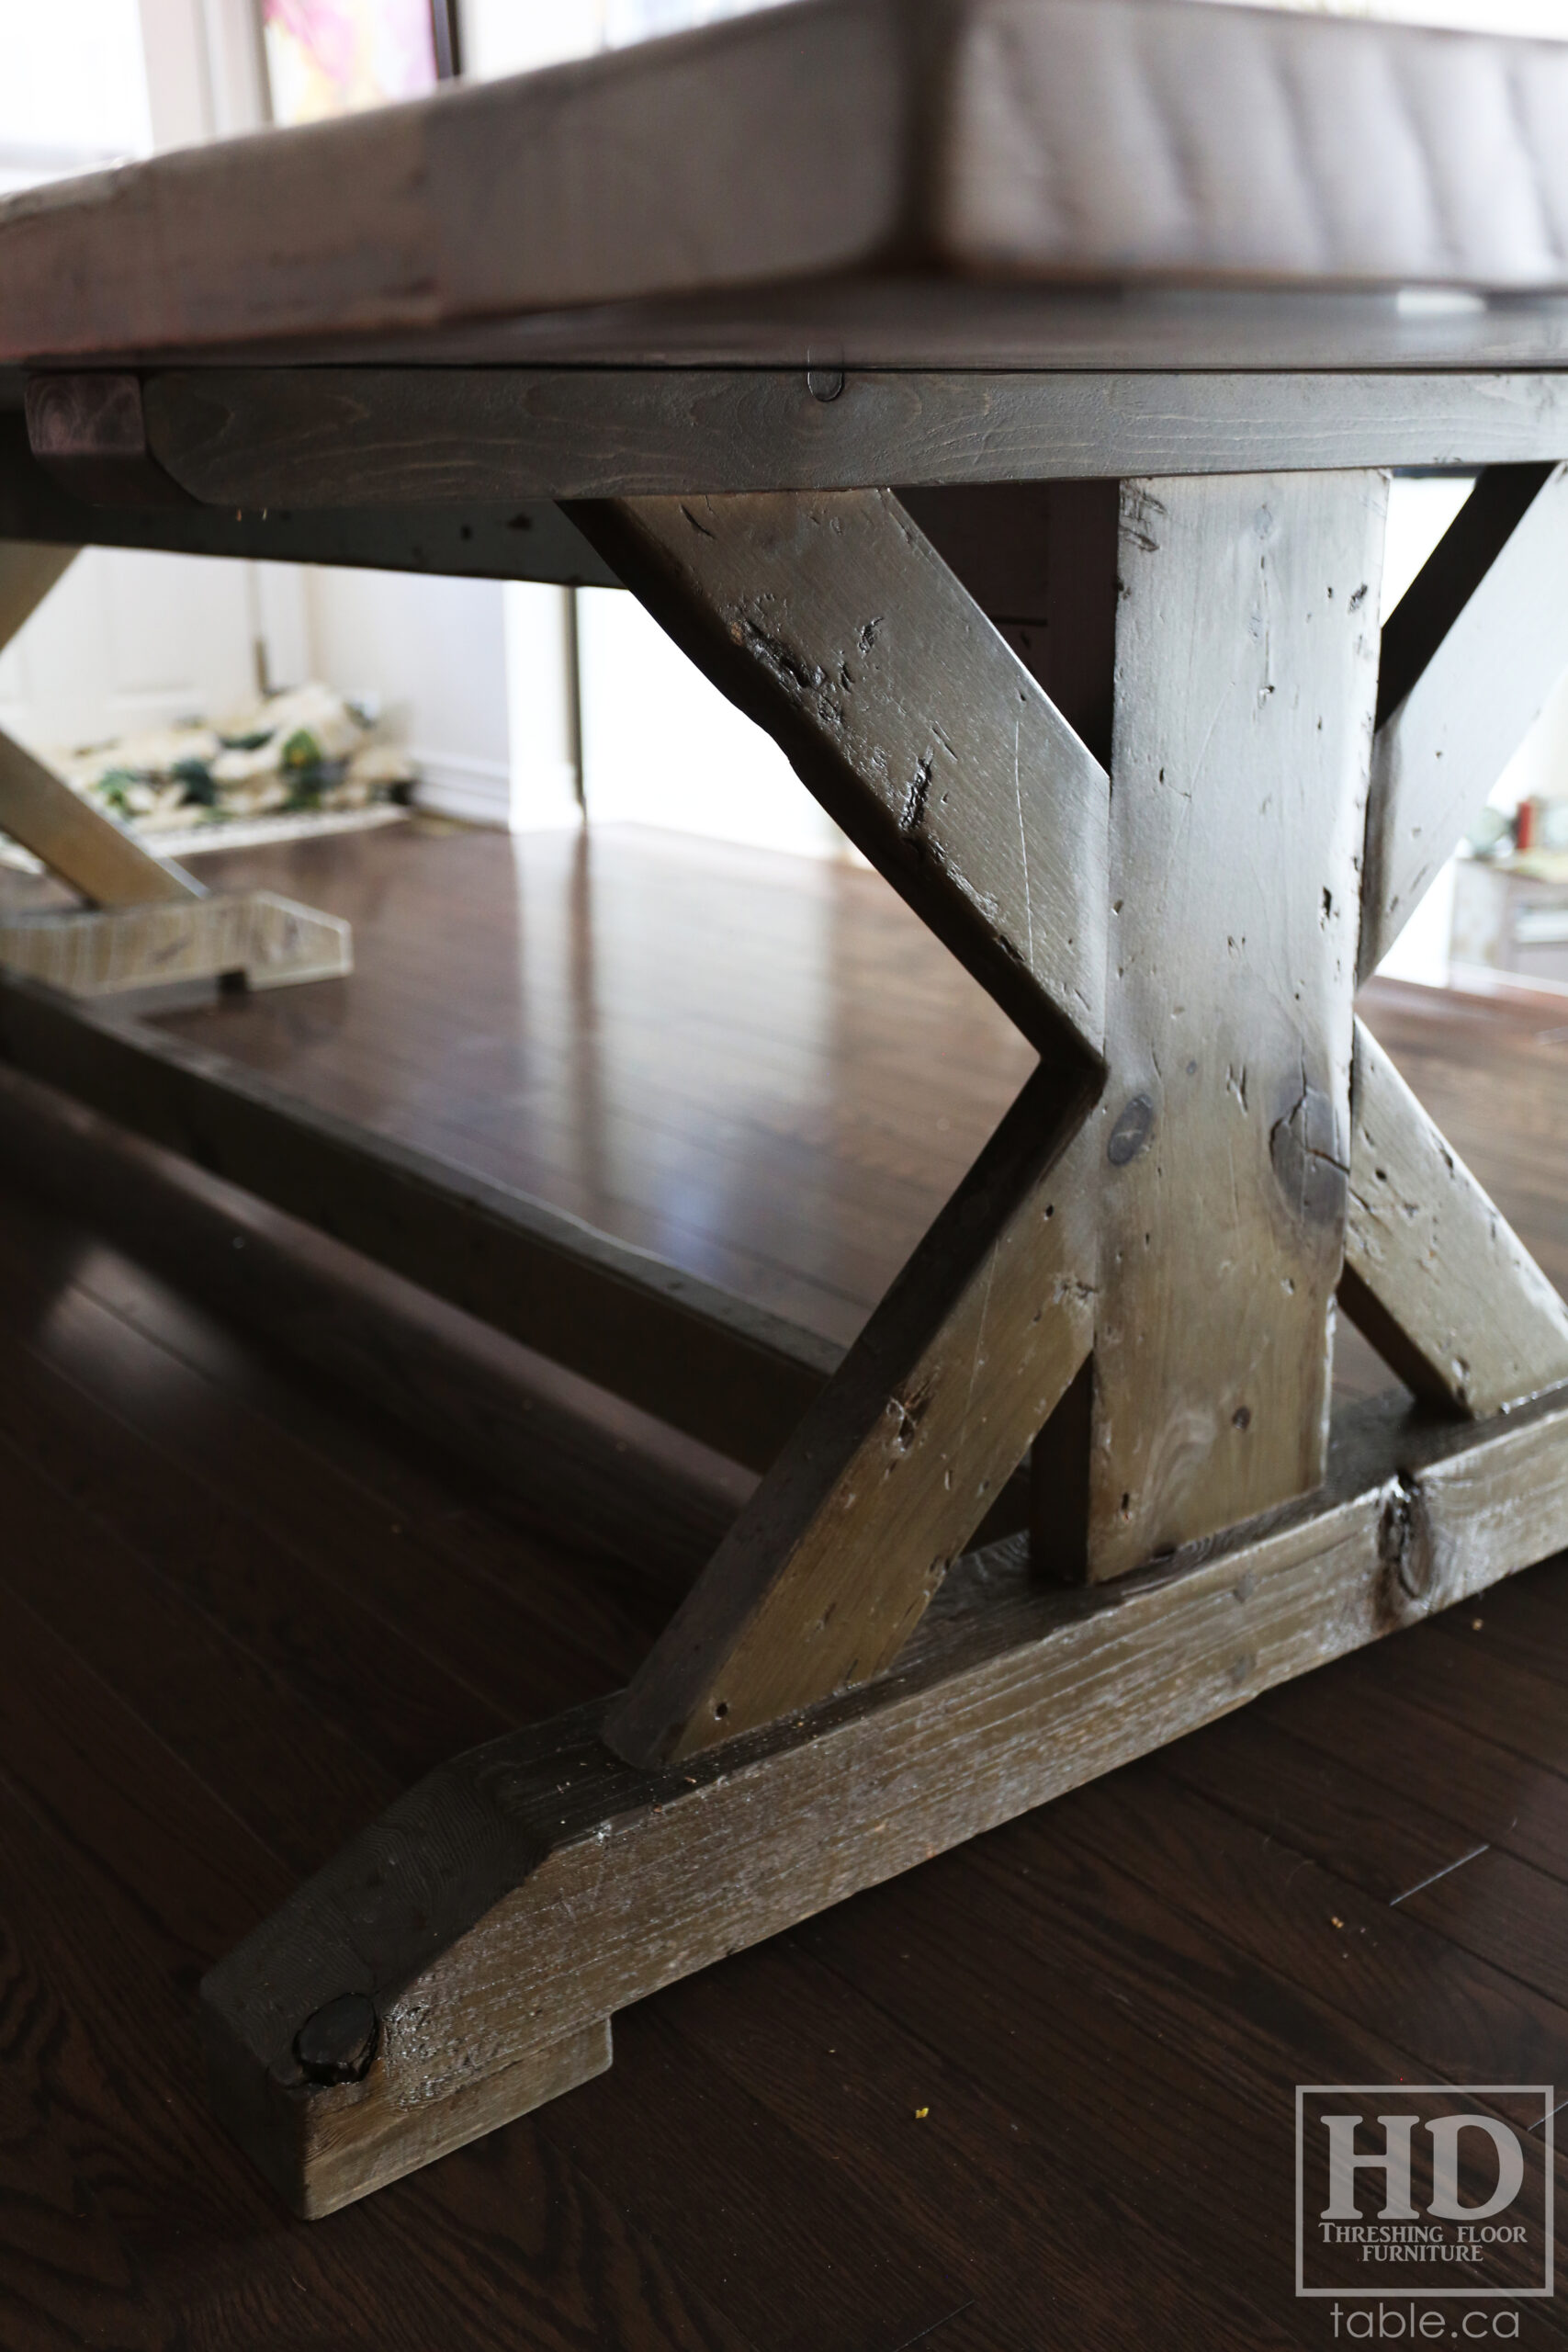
(810,159)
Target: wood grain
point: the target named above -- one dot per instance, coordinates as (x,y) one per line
(1246,656)
(1440,749)
(1060,140)
(316,440)
(1434,1276)
(520,539)
(536,1885)
(834,1560)
(625,1487)
(833,622)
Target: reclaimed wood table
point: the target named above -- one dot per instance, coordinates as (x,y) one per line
(997,398)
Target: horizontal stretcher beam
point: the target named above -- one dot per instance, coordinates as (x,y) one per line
(367,437)
(458,1964)
(455,471)
(710,1364)
(520,539)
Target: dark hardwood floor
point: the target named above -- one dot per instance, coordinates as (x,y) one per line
(1039,2092)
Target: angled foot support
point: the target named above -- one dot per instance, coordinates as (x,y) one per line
(1139,1276)
(455,1964)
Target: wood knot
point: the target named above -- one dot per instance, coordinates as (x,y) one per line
(1310,1161)
(1131,1131)
(1406,1553)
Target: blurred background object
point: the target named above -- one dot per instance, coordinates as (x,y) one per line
(327,57)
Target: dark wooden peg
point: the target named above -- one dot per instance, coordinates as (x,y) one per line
(337,2044)
(90,432)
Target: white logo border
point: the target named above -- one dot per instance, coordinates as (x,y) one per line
(1441,2090)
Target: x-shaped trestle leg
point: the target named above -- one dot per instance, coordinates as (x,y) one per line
(1192,940)
(1145,1261)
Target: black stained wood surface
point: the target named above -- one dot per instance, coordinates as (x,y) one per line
(236,1613)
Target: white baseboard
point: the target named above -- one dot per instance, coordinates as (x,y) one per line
(454,785)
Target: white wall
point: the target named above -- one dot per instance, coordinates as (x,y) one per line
(127,641)
(433,653)
(73,88)
(537,620)
(660,746)
(205,75)
(1419,512)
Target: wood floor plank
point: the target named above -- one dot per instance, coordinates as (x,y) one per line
(1174,2064)
(958,2168)
(1317,1804)
(1496,1797)
(1524,1620)
(811,2259)
(1487,1901)
(1460,2018)
(1464,1683)
(606,1607)
(302,1784)
(316,1548)
(344,1659)
(484,1427)
(124,1842)
(119,1798)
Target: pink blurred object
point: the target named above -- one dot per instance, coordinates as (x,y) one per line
(330,57)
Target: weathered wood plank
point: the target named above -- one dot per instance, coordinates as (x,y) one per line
(520,540)
(1434,1275)
(1463,712)
(315,440)
(1040,140)
(77,842)
(834,622)
(1246,672)
(831,1565)
(713,1365)
(106,951)
(531,1888)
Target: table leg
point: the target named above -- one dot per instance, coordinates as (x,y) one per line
(1142,1266)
